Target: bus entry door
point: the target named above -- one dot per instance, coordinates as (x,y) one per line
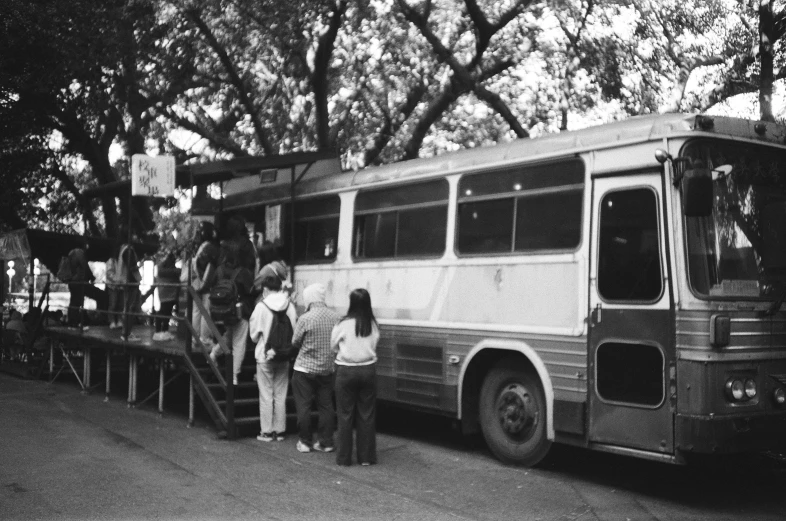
(630,330)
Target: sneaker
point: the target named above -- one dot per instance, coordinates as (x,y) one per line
(157,336)
(266,436)
(279,436)
(115,325)
(319,448)
(234,380)
(365,463)
(302,447)
(130,338)
(212,356)
(85,328)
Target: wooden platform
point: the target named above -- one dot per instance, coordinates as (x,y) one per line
(103,337)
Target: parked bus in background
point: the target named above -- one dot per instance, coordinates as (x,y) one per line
(617,288)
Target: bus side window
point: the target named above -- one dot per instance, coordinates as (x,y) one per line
(406,221)
(523,208)
(629,265)
(316,229)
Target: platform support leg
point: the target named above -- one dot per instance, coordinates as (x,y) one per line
(131,381)
(108,374)
(190,400)
(86,370)
(162,364)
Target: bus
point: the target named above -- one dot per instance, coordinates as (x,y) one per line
(617,288)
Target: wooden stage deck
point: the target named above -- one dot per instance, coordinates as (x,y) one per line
(102,337)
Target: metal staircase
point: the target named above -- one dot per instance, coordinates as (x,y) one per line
(232,407)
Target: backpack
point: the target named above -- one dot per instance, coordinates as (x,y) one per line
(64,272)
(223,299)
(279,339)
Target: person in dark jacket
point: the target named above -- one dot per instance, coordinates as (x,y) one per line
(81,276)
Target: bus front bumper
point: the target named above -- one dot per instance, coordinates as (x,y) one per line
(730,435)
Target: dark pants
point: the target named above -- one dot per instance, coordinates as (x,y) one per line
(356,397)
(130,302)
(164,316)
(76,303)
(305,387)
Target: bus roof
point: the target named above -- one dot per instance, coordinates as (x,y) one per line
(636,129)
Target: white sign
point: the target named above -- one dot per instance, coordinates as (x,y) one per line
(152,176)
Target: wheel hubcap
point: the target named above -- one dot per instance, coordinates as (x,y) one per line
(517,411)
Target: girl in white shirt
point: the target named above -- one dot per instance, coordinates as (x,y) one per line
(354,340)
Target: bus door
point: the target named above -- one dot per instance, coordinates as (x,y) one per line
(630,353)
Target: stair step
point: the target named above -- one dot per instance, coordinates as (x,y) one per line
(240,401)
(241,385)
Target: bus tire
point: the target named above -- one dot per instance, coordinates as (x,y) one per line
(513,415)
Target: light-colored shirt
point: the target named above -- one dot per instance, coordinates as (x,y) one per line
(352,349)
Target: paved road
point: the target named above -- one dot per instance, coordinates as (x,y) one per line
(64,455)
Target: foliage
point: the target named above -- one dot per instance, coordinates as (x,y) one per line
(86,81)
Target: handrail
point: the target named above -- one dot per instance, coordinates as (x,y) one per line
(229,386)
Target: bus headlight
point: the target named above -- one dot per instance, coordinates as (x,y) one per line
(779,395)
(735,389)
(750,388)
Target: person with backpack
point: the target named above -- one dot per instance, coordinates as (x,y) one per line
(313,373)
(230,301)
(354,340)
(271,331)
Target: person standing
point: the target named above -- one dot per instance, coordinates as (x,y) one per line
(233,316)
(313,372)
(81,275)
(267,324)
(114,292)
(354,340)
(203,271)
(130,277)
(168,285)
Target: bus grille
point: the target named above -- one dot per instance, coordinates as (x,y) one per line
(418,374)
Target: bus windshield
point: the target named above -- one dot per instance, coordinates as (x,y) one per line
(739,250)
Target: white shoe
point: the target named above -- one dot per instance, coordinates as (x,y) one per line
(302,447)
(234,381)
(157,336)
(167,335)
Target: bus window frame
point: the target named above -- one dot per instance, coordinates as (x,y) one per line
(515,195)
(444,203)
(631,404)
(661,252)
(312,218)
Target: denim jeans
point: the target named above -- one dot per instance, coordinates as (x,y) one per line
(356,397)
(306,387)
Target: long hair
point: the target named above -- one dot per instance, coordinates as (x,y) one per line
(360,310)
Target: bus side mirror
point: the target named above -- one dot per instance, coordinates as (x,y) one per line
(696,188)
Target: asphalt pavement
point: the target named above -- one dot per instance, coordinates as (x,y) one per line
(66,455)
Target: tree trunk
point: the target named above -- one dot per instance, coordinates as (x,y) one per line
(766,32)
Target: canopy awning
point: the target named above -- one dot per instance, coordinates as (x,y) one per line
(217,171)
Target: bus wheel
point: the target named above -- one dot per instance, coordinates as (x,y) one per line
(513,415)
